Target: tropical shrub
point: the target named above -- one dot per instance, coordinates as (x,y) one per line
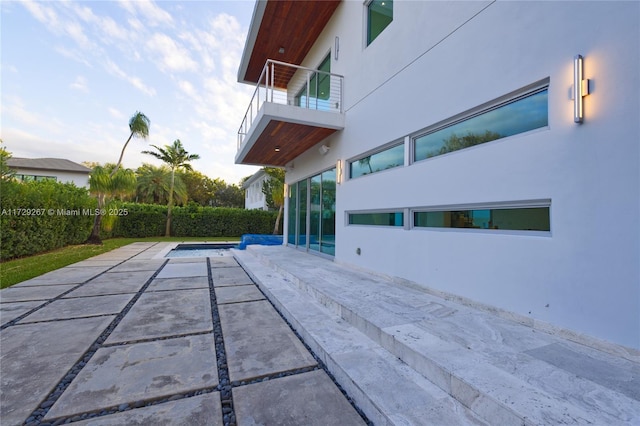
(42,216)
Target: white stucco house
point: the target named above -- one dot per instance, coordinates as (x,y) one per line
(488,150)
(254,198)
(58,169)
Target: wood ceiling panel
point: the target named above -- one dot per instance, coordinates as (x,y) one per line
(293,139)
(293,25)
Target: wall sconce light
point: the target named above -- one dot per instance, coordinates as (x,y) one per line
(339,172)
(580,89)
(276,149)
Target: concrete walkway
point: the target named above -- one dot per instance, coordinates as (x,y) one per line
(129,337)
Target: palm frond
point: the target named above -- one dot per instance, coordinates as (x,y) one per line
(139,125)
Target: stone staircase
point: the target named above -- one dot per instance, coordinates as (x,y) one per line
(408,357)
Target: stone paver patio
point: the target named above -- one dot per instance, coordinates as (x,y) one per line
(127,338)
(133,338)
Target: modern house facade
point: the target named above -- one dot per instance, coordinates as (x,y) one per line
(485,151)
(254,198)
(58,169)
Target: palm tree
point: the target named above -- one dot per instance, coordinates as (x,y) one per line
(104,184)
(154,184)
(176,157)
(139,127)
(273,189)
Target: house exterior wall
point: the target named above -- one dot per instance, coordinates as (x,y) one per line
(254,198)
(438,59)
(81,180)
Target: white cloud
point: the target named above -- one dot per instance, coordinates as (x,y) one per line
(75,31)
(136,82)
(173,57)
(110,29)
(44,14)
(80,84)
(57,25)
(148,11)
(73,54)
(154,14)
(115,113)
(187,88)
(135,24)
(15,108)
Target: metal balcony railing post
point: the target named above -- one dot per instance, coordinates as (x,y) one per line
(317,94)
(308,84)
(273,71)
(266,82)
(341,91)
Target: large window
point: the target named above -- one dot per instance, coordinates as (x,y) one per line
(395,218)
(379,16)
(518,219)
(524,113)
(383,160)
(318,93)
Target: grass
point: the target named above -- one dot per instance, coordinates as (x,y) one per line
(18,270)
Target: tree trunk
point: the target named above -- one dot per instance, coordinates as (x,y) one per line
(115,169)
(276,228)
(167,231)
(94,238)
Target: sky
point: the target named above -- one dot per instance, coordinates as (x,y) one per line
(74,72)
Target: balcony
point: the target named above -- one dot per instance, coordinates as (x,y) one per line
(292,109)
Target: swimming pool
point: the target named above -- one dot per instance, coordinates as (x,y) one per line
(201,250)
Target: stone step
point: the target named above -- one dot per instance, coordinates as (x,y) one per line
(387,390)
(506,373)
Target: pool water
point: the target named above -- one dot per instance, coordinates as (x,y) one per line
(201,250)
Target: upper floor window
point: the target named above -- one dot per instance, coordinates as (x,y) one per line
(379,16)
(382,160)
(520,114)
(317,94)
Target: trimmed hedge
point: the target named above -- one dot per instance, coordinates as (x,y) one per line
(149,220)
(42,216)
(141,220)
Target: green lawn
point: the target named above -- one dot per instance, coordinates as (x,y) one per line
(18,270)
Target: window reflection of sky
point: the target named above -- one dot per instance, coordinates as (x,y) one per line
(392,157)
(516,117)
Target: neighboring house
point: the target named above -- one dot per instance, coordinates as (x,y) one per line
(254,198)
(58,169)
(437,142)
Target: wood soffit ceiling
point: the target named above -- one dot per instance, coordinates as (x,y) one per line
(291,138)
(292,25)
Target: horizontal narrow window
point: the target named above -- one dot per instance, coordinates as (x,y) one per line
(518,115)
(520,219)
(383,160)
(31,178)
(377,219)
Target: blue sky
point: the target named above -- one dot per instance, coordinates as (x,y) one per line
(74,72)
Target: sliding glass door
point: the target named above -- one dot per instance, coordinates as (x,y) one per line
(312,213)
